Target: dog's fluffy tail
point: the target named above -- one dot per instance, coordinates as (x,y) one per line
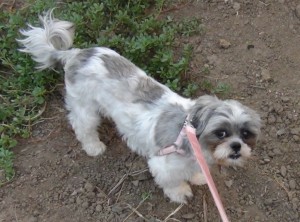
(49,44)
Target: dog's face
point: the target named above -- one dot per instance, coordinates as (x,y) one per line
(227,129)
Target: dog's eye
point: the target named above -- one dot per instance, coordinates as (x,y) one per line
(246,134)
(221,134)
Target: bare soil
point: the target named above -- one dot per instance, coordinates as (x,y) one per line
(56,181)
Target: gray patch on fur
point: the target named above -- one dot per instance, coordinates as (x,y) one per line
(79,61)
(118,66)
(169,125)
(147,91)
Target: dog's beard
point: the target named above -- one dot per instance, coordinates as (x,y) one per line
(224,155)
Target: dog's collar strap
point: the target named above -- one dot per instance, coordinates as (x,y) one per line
(176,146)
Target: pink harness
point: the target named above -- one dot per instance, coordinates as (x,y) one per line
(189,131)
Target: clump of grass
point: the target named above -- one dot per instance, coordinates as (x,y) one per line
(128,27)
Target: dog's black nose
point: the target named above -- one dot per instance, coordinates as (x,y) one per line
(236,146)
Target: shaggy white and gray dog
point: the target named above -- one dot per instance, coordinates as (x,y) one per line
(149,116)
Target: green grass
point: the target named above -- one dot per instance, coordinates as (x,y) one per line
(128,27)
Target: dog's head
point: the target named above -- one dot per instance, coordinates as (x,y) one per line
(226,129)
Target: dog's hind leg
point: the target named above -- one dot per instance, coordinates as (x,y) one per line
(85,120)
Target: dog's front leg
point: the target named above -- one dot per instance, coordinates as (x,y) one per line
(171,178)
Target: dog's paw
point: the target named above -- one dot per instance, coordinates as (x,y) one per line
(94,149)
(180,193)
(198,179)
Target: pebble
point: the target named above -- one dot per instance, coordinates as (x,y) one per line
(277,151)
(228,183)
(295,131)
(33,219)
(213,60)
(78,200)
(281,132)
(98,208)
(224,44)
(188,216)
(298,11)
(117,208)
(236,6)
(271,119)
(91,195)
(283,171)
(296,138)
(292,184)
(285,99)
(89,187)
(85,205)
(135,183)
(265,74)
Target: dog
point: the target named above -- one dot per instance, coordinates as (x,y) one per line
(148,115)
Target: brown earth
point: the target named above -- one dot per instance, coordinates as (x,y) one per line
(56,181)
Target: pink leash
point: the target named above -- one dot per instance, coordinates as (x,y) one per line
(191,134)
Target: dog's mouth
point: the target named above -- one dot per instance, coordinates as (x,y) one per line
(235,156)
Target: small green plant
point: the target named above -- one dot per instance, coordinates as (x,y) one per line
(125,26)
(6,165)
(221,88)
(146,195)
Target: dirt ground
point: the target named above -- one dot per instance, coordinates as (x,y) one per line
(56,181)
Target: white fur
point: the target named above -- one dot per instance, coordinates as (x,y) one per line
(95,89)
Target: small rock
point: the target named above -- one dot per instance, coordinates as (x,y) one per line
(135,183)
(295,131)
(281,132)
(78,200)
(89,187)
(285,99)
(265,74)
(213,60)
(236,6)
(283,171)
(267,160)
(91,194)
(297,10)
(224,44)
(268,201)
(117,208)
(271,119)
(276,151)
(85,205)
(188,216)
(98,208)
(228,183)
(296,138)
(33,219)
(36,213)
(292,184)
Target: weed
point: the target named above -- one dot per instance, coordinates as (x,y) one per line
(146,195)
(221,88)
(6,165)
(125,26)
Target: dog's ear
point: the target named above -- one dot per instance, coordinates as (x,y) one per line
(202,111)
